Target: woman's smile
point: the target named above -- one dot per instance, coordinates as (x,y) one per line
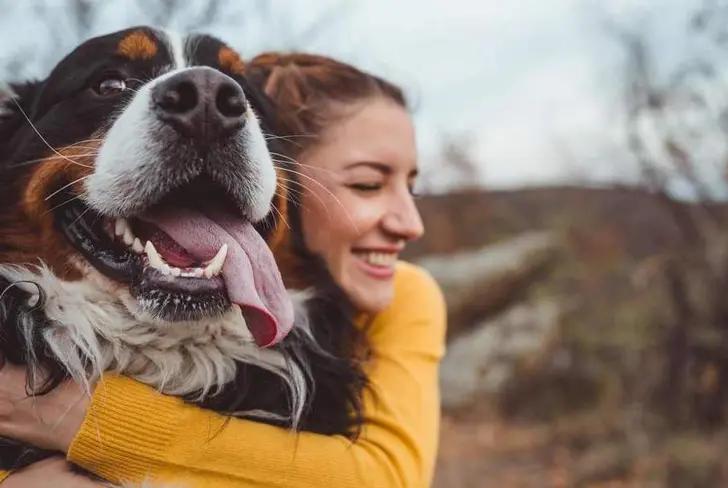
(377,264)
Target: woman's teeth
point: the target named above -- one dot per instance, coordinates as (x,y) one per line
(383,259)
(212,268)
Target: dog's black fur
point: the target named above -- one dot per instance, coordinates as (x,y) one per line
(63,114)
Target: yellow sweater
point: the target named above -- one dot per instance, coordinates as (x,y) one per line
(132,433)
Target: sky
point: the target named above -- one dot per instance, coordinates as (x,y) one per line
(532,86)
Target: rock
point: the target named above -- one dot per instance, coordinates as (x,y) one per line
(483,359)
(480,283)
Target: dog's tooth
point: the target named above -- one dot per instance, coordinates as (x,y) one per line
(175,271)
(165,269)
(137,246)
(155,260)
(198,272)
(119,226)
(215,265)
(128,236)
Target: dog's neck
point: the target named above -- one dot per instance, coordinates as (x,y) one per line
(93,331)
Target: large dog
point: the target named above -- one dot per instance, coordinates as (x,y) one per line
(137,189)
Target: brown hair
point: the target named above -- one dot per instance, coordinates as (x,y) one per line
(308,89)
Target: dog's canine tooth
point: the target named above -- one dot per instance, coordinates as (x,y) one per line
(155,260)
(215,265)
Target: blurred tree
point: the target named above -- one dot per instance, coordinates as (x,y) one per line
(456,168)
(675,127)
(67,23)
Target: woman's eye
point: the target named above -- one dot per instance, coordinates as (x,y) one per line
(366,186)
(111,86)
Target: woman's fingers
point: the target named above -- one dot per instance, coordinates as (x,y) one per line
(47,421)
(12,382)
(53,471)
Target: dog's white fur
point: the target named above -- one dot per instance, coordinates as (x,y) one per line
(94,332)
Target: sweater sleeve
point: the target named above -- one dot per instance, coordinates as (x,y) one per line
(132,433)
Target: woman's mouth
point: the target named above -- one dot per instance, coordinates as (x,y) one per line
(376,263)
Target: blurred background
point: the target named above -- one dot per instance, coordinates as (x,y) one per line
(574,158)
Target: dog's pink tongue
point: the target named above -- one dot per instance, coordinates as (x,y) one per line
(250,272)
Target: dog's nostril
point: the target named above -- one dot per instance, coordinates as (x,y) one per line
(180,98)
(230,101)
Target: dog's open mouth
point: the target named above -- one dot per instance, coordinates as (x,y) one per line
(188,257)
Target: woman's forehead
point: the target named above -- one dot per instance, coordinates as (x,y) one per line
(377,131)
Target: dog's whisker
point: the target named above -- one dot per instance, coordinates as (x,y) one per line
(90,148)
(77,143)
(289,138)
(284,164)
(329,192)
(40,160)
(75,221)
(312,192)
(281,216)
(285,157)
(66,186)
(32,126)
(64,203)
(292,194)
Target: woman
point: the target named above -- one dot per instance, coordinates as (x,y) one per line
(354,140)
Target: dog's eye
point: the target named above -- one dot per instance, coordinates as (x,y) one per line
(110,86)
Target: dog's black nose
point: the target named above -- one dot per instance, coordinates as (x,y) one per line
(201,103)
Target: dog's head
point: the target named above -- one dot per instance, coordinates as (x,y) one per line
(140,161)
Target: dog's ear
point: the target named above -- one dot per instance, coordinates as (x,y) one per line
(16,100)
(6,98)
(262,104)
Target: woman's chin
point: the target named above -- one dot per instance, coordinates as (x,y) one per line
(370,295)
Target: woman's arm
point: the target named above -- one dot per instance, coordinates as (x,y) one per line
(54,471)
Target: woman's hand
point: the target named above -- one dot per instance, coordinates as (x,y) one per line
(53,471)
(48,421)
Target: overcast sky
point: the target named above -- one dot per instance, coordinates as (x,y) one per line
(533,84)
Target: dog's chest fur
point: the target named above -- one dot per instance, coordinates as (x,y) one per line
(90,330)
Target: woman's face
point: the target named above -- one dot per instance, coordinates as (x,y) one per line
(357,207)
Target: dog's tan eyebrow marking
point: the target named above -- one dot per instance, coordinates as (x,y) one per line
(230,61)
(138,45)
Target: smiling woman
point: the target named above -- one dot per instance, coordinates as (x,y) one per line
(362,215)
(349,158)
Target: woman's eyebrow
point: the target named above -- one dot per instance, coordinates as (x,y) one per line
(383,168)
(371,164)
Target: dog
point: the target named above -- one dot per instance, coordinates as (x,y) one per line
(138,197)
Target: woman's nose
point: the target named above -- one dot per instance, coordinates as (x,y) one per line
(403,219)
